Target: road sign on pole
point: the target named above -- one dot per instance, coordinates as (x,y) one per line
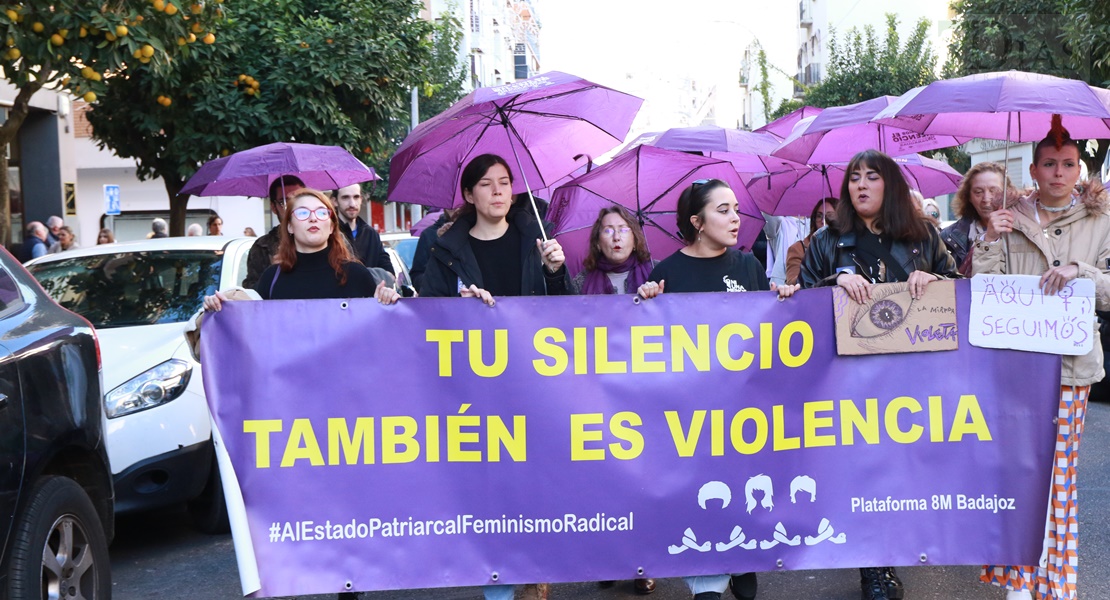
(111,199)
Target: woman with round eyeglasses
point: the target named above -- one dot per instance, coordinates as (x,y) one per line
(618,261)
(312,260)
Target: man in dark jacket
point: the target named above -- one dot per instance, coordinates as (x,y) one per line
(262,252)
(364,240)
(34,243)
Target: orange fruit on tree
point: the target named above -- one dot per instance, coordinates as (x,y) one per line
(196,9)
(111,37)
(57,40)
(196,28)
(89,97)
(138,53)
(181,41)
(147,50)
(82,32)
(192,37)
(242,77)
(159,5)
(144,60)
(210,38)
(171,8)
(64,33)
(37,27)
(121,30)
(12,15)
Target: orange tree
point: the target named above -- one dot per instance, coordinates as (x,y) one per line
(83,46)
(332,72)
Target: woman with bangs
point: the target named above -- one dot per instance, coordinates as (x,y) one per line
(879,236)
(313,260)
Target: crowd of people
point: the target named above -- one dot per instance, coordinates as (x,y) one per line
(875,232)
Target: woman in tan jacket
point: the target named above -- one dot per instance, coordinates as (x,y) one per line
(1060,232)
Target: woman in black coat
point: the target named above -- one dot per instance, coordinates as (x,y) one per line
(490,250)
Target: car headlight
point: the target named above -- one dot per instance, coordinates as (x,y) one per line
(149,389)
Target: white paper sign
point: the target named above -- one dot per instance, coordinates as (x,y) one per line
(1010,311)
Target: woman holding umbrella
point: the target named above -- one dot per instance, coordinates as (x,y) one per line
(488,250)
(1060,232)
(879,236)
(979,195)
(708,220)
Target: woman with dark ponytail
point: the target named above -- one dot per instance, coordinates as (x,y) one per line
(1060,232)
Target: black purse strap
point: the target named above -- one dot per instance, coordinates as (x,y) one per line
(871,245)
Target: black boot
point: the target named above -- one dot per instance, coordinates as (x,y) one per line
(743,586)
(893,585)
(871,584)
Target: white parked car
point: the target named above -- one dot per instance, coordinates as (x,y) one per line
(140,296)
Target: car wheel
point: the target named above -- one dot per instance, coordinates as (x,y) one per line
(208,510)
(59,549)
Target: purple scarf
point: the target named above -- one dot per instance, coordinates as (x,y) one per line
(597,280)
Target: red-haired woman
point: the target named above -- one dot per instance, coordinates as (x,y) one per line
(312,260)
(1060,232)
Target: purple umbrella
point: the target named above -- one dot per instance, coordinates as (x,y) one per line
(648,182)
(838,133)
(250,172)
(539,125)
(747,151)
(1013,106)
(425,222)
(707,138)
(753,165)
(795,192)
(783,126)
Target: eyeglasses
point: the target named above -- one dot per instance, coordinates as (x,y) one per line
(302,213)
(610,231)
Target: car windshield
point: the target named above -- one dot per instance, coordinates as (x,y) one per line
(135,288)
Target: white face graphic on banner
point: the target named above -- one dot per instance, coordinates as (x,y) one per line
(719,490)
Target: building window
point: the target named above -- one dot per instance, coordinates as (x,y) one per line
(520,66)
(475,18)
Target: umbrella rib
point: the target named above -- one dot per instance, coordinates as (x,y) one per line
(688,173)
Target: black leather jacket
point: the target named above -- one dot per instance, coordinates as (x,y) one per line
(830,253)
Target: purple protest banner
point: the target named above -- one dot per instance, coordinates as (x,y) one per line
(441,442)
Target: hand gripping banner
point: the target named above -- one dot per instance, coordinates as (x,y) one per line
(441,442)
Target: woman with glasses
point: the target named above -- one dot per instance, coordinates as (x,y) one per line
(708,220)
(489,250)
(618,261)
(312,260)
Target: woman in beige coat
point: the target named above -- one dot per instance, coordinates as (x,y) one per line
(1060,232)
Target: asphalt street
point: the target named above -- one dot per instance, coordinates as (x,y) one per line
(157,555)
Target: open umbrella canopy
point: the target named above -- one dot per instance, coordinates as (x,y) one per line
(711,138)
(783,126)
(1011,105)
(538,125)
(793,193)
(250,172)
(840,132)
(648,182)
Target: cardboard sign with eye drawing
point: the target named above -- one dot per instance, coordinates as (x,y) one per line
(893,321)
